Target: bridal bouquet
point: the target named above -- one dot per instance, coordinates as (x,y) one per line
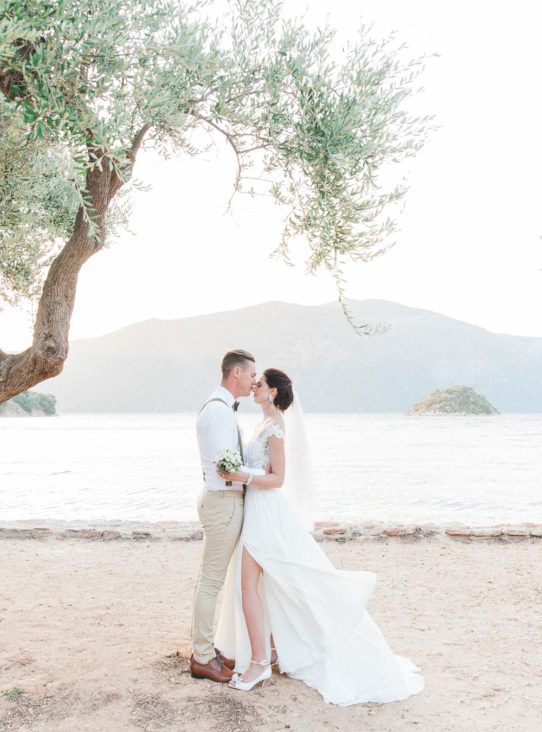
(228,461)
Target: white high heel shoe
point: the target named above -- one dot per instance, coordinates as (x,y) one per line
(236,682)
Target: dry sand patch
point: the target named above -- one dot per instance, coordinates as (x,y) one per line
(97,636)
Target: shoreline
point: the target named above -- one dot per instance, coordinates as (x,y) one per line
(323,531)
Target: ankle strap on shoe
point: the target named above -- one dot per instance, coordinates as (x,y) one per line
(260,663)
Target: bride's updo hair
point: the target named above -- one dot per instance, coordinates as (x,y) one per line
(283,384)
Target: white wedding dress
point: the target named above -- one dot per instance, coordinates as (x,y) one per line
(317,614)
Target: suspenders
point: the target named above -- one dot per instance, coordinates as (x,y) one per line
(216,399)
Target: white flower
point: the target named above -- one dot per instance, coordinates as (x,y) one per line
(228,461)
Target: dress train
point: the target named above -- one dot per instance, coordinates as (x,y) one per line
(317,614)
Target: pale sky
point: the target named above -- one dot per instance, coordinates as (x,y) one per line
(469,242)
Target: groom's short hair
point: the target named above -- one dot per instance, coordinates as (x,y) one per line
(235,358)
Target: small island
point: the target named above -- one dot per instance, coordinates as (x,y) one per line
(29,404)
(453,400)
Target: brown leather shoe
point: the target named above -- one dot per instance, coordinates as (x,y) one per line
(213,670)
(228,662)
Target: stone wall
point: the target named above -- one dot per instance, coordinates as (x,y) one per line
(323,531)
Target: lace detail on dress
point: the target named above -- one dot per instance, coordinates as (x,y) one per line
(257,452)
(275,431)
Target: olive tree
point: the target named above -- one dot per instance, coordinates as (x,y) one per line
(87,83)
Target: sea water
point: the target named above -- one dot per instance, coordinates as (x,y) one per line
(474,470)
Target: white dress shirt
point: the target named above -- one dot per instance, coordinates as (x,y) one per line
(216,428)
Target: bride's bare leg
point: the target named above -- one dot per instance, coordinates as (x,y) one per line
(274,657)
(253,610)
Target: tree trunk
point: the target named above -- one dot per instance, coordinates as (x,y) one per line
(49,350)
(46,356)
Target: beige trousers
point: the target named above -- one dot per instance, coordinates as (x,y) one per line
(221,516)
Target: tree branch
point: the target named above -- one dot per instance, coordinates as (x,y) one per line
(9,78)
(136,143)
(237,152)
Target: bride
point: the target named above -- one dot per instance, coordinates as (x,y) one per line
(284,602)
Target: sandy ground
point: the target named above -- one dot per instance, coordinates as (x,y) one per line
(97,636)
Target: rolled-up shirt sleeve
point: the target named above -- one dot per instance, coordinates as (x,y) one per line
(216,429)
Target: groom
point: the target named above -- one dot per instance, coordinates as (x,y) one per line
(220,508)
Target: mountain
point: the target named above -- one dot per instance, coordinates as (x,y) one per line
(172,365)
